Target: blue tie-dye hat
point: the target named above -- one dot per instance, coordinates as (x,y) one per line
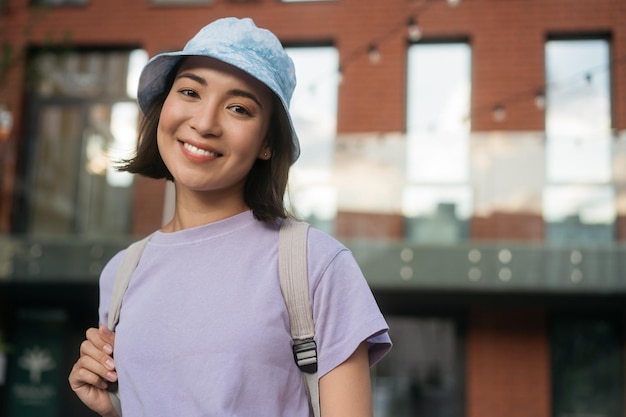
(240,43)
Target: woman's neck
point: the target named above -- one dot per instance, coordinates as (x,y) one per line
(197,209)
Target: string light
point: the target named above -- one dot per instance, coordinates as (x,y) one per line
(540,99)
(373,54)
(373,48)
(413,30)
(340,75)
(414,33)
(499,113)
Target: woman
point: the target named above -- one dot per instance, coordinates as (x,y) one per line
(203,329)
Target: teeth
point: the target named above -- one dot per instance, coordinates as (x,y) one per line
(198,151)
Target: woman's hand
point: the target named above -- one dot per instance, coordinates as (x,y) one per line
(95,370)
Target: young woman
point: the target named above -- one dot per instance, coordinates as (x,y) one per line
(204,329)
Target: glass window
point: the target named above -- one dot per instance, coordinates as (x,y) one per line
(437,201)
(578,112)
(579,200)
(438,214)
(587,368)
(314,112)
(437,112)
(423,375)
(86,120)
(579,213)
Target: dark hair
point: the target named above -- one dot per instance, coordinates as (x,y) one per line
(266,183)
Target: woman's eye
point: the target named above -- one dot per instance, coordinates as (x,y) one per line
(240,110)
(188,92)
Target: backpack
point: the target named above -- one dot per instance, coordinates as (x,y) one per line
(292,266)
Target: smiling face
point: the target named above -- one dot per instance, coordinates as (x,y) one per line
(213,127)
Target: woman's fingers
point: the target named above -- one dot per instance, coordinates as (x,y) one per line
(95,370)
(94,363)
(90,388)
(81,376)
(97,361)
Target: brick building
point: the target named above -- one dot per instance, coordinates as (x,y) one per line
(471,153)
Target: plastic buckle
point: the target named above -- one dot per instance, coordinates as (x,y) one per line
(305,355)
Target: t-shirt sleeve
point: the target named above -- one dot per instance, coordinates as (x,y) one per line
(107,279)
(344,309)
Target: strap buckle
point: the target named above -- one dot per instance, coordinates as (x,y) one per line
(305,355)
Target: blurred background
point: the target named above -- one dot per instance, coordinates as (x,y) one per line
(471,154)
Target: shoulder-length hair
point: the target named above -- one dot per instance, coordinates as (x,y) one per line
(266,183)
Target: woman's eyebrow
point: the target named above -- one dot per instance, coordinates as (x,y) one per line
(236,92)
(193,77)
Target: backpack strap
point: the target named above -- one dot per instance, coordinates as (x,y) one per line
(129,262)
(294,283)
(122,279)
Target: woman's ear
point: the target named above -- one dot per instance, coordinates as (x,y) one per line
(266,153)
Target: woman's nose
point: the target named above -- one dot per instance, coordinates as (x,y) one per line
(206,120)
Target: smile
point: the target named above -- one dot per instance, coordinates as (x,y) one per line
(200,152)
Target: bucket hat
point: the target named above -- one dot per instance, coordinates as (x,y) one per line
(240,43)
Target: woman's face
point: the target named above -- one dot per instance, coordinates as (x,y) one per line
(213,126)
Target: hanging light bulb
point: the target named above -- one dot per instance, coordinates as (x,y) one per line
(340,75)
(453,3)
(498,113)
(540,99)
(413,29)
(374,54)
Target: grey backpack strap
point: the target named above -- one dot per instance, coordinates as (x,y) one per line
(294,283)
(122,279)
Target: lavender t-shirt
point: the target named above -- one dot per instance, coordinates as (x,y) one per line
(204,329)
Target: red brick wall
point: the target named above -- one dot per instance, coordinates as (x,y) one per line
(368,226)
(507,349)
(148,202)
(508,226)
(508,363)
(507,39)
(506,36)
(621,228)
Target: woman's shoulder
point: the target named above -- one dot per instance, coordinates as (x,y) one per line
(320,240)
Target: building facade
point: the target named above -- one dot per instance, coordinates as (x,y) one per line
(471,154)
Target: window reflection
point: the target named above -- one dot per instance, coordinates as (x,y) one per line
(423,373)
(124,117)
(314,112)
(579,213)
(437,214)
(438,134)
(579,203)
(588,367)
(577,75)
(578,123)
(579,159)
(85,123)
(437,112)
(578,113)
